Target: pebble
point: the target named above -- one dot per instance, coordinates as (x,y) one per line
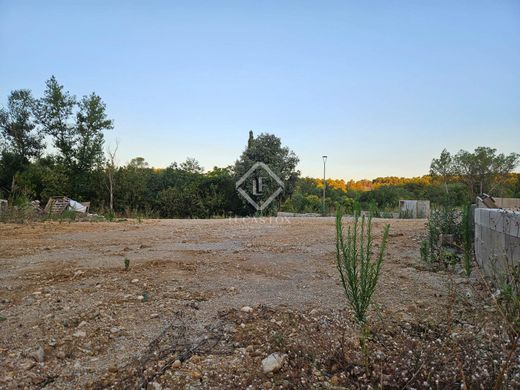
(273,362)
(196,375)
(176,364)
(247,309)
(80,333)
(27,365)
(38,355)
(156,386)
(154,315)
(135,280)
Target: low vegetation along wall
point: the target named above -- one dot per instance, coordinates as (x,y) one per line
(497,239)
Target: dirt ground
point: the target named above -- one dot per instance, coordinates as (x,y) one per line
(205,301)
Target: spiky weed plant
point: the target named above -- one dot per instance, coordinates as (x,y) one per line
(358,269)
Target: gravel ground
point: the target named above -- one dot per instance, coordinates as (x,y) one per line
(204,302)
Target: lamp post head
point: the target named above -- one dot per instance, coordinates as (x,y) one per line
(324,158)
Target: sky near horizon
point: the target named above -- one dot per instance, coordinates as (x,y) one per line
(381,87)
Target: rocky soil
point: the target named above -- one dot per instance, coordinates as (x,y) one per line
(218,304)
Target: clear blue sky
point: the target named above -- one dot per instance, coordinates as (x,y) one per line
(379,86)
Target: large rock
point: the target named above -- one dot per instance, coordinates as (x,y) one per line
(273,362)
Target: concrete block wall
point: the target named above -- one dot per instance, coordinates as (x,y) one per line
(497,239)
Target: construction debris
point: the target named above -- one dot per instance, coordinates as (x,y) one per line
(3,206)
(486,201)
(58,204)
(414,208)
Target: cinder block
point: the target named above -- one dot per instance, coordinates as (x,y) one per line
(512,224)
(484,217)
(496,220)
(512,249)
(477,216)
(497,239)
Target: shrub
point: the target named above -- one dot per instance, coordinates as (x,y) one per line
(406,214)
(467,237)
(359,272)
(506,282)
(444,221)
(110,216)
(373,210)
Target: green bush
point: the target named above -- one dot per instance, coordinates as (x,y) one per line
(444,220)
(453,223)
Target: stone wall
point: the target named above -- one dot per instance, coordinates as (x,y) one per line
(497,239)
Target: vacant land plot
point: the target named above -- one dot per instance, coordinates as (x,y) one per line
(205,301)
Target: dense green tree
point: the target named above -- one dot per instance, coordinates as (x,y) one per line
(516,189)
(18,127)
(182,201)
(91,121)
(442,167)
(191,165)
(55,111)
(11,164)
(43,179)
(385,197)
(138,163)
(221,197)
(20,140)
(483,169)
(131,192)
(76,128)
(268,149)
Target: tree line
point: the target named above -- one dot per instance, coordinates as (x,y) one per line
(453,180)
(54,145)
